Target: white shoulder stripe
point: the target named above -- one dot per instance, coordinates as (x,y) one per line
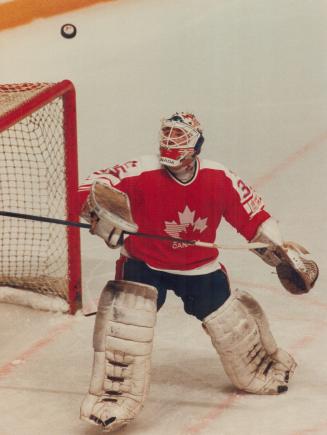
(210,164)
(235,179)
(117,173)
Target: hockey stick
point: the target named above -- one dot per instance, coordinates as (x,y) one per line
(33,217)
(254,245)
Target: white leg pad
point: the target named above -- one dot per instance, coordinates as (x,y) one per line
(240,333)
(122,341)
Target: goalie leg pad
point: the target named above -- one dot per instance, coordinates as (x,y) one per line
(122,341)
(240,333)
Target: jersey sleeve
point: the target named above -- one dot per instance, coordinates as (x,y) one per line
(244,208)
(118,176)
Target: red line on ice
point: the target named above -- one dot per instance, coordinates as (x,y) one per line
(6,369)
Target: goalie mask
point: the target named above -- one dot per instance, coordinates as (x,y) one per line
(180,138)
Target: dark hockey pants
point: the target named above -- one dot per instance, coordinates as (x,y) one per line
(201,294)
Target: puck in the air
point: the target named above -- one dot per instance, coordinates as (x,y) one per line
(68,31)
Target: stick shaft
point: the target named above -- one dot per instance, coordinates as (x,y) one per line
(253,245)
(44,219)
(138,234)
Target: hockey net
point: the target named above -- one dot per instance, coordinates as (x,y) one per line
(39,176)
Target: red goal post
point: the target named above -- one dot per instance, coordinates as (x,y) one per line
(39,175)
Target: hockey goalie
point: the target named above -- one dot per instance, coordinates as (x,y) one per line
(178,194)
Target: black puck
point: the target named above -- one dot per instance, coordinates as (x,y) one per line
(68,31)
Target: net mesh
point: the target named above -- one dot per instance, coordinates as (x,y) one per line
(33,254)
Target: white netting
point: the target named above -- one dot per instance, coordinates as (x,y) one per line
(13,95)
(33,255)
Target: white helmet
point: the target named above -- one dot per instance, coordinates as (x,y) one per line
(180,138)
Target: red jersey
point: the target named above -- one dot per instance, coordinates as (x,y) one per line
(193,210)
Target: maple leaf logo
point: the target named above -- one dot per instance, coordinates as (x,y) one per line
(186,226)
